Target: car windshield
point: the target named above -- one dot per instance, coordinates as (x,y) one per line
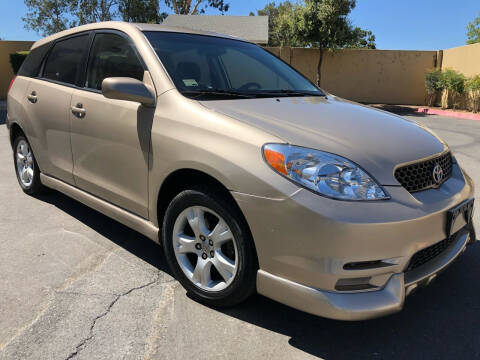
(207,67)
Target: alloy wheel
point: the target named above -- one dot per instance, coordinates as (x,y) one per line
(205,248)
(25,164)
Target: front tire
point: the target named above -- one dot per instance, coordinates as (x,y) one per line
(209,248)
(26,167)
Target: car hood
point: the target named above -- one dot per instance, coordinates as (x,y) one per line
(376,140)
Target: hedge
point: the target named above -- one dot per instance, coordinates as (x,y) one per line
(16,60)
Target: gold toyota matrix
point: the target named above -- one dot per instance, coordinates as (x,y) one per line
(251,177)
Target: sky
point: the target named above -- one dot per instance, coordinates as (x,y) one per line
(405,24)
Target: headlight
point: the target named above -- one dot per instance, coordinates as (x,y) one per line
(324,173)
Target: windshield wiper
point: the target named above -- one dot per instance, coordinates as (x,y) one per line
(248,95)
(286,92)
(216,92)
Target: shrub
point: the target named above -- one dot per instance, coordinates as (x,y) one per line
(454,84)
(473,87)
(16,60)
(433,85)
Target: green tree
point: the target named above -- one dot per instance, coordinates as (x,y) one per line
(90,11)
(280,24)
(433,85)
(454,84)
(195,7)
(324,24)
(141,11)
(473,86)
(362,39)
(473,31)
(47,16)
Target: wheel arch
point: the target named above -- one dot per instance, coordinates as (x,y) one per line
(182,179)
(16,130)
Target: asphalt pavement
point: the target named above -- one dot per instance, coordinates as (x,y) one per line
(75,284)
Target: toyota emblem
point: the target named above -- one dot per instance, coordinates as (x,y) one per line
(437,174)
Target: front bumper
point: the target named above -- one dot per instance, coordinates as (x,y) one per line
(306,245)
(358,305)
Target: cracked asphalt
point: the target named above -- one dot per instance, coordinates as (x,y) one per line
(75,284)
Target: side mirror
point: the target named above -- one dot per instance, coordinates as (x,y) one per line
(130,89)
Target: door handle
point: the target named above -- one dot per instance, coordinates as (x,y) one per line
(32,97)
(78,111)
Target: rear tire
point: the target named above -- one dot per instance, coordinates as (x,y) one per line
(26,167)
(209,248)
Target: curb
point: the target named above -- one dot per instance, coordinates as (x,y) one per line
(455,114)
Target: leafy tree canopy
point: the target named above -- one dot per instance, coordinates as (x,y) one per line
(89,11)
(47,17)
(322,24)
(281,24)
(473,31)
(195,7)
(315,23)
(141,11)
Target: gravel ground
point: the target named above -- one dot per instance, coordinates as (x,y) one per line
(76,285)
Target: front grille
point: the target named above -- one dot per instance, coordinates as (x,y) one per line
(425,255)
(419,176)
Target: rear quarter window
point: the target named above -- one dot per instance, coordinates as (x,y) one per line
(65,60)
(31,65)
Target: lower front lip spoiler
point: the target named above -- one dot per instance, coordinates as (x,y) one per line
(358,305)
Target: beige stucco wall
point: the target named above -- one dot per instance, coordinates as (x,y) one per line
(378,76)
(372,76)
(6,73)
(465,59)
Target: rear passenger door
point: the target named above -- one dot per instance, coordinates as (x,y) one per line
(47,106)
(111,138)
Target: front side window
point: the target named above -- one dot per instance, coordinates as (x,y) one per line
(64,62)
(205,65)
(112,56)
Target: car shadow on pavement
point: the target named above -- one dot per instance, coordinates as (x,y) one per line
(401,110)
(440,321)
(142,247)
(3,116)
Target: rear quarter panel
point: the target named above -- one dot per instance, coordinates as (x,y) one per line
(15,98)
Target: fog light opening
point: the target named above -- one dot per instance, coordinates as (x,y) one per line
(354,284)
(372,264)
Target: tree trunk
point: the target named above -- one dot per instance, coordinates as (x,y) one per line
(475,101)
(445,99)
(319,67)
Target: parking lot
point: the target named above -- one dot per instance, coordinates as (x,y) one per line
(75,284)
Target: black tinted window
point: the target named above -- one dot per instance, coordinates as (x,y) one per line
(64,61)
(31,65)
(112,56)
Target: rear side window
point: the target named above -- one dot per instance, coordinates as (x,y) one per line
(31,65)
(112,56)
(64,62)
